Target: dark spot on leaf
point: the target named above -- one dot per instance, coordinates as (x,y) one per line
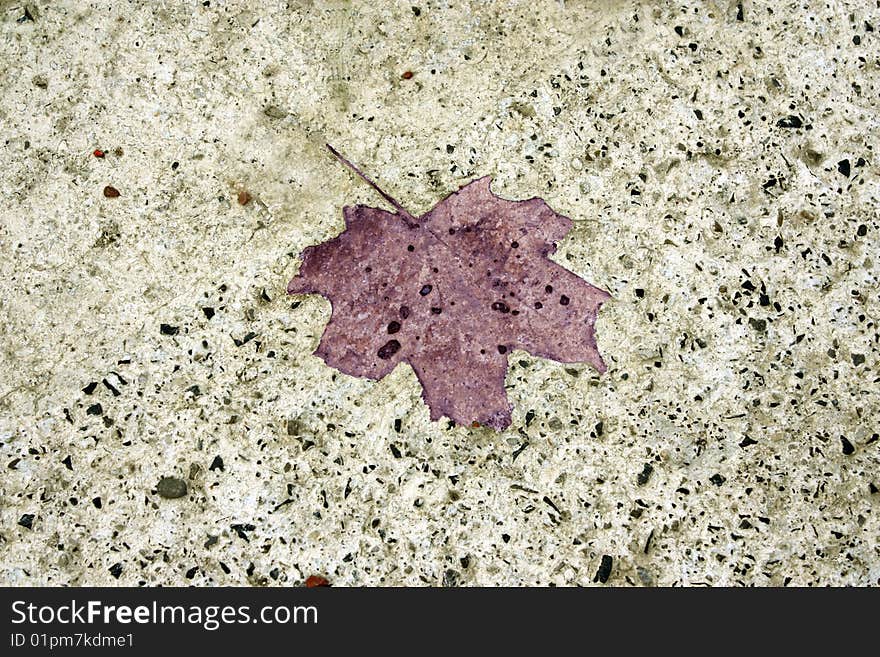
(388,349)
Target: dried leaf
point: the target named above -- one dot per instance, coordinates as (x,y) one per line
(452,293)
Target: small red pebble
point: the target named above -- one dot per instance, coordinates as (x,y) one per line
(407,75)
(98,153)
(315,581)
(475,425)
(111,192)
(243,198)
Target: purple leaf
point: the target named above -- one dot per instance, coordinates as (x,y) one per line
(452,293)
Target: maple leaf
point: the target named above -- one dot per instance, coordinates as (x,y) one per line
(452,293)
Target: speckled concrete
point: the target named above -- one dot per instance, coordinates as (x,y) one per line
(718,158)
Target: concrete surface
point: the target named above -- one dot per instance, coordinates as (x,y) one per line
(718,158)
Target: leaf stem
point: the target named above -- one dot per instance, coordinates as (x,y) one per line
(402,211)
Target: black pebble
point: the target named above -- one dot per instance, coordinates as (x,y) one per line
(167,329)
(645,474)
(209,312)
(790,122)
(116,570)
(604,571)
(759,325)
(217,464)
(242,530)
(857,359)
(27,520)
(717,479)
(171,487)
(89,389)
(847,446)
(426,290)
(95,409)
(393,327)
(68,462)
(843,167)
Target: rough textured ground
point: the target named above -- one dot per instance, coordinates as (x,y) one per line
(719,160)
